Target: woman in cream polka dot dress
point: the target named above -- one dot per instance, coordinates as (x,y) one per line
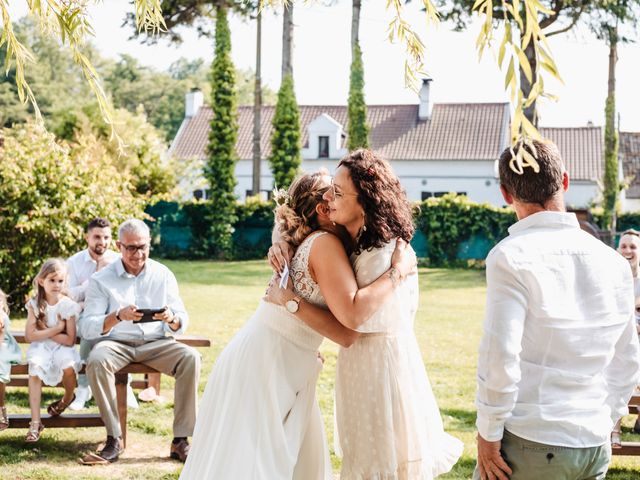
(388,422)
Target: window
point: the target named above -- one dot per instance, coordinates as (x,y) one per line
(198,194)
(425,195)
(323,147)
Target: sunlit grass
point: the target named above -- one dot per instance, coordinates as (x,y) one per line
(219,298)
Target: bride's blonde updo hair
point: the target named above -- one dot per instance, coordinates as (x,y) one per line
(295,212)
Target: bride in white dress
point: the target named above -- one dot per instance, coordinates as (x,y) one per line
(259,418)
(388,422)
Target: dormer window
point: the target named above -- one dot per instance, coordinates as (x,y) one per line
(323,147)
(324,139)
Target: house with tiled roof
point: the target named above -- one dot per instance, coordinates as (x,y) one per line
(629,152)
(433,148)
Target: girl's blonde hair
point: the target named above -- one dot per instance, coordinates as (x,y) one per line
(296,215)
(49,267)
(4,305)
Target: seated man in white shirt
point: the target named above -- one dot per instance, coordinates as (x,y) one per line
(559,357)
(113,298)
(80,267)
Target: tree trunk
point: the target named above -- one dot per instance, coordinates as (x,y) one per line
(287,40)
(257,109)
(529,112)
(611,161)
(355,24)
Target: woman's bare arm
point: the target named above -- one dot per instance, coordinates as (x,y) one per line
(350,305)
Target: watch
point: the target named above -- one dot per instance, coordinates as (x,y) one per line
(293,305)
(118,315)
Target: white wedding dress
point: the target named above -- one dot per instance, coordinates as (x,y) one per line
(388,422)
(259,418)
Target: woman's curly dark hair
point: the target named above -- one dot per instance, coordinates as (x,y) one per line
(388,213)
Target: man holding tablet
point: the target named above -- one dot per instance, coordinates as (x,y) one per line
(132,308)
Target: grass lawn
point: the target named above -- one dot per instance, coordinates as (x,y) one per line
(219,298)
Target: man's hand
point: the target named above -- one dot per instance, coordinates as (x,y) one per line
(129,313)
(280,254)
(490,462)
(167,316)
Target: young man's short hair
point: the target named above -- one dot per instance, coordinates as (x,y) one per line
(98,222)
(529,186)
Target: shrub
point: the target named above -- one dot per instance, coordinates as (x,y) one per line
(449,220)
(46,198)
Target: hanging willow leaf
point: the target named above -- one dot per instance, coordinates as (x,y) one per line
(68,21)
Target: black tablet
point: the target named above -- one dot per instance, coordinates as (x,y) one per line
(147,314)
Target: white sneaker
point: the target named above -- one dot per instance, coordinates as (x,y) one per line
(83,395)
(131,398)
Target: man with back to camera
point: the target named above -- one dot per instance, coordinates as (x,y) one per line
(559,356)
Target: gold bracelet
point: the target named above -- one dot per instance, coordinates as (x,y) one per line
(394,275)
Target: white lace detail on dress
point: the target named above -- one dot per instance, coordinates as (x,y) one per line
(303,284)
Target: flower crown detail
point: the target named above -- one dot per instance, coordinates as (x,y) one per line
(281,197)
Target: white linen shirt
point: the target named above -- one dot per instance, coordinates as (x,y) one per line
(113,288)
(559,356)
(81,266)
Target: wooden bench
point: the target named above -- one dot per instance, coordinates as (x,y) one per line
(19,378)
(630,448)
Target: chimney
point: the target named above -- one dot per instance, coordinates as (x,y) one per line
(192,103)
(424,109)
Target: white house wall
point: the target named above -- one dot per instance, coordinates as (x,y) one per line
(476,178)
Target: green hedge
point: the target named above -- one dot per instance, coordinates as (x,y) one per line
(450,229)
(453,222)
(181,230)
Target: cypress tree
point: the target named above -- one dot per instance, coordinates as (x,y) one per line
(221,155)
(358,130)
(285,158)
(610,183)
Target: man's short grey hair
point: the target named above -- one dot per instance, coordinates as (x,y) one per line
(135,226)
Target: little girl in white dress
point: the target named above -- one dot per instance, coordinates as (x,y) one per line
(51,330)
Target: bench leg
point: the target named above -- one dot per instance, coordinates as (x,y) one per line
(121,396)
(153,380)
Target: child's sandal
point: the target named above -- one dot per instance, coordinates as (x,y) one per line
(35,429)
(59,406)
(4,419)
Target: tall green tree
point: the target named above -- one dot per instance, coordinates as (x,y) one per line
(615,22)
(611,162)
(221,154)
(257,109)
(285,156)
(358,130)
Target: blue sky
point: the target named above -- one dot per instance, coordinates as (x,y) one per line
(321,60)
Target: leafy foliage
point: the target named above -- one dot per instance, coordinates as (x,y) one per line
(152,176)
(46,197)
(285,156)
(356,107)
(221,154)
(69,22)
(451,219)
